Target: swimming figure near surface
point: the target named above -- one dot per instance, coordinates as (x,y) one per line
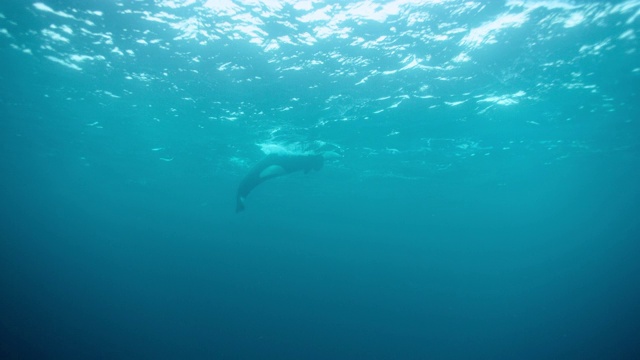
(275,165)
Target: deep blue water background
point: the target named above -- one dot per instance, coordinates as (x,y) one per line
(500,239)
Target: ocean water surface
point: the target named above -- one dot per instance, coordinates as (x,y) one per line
(482,200)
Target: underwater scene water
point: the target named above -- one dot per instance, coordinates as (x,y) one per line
(479,196)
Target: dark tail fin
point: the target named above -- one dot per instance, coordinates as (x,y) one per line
(240,204)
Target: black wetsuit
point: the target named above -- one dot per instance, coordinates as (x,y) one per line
(287,163)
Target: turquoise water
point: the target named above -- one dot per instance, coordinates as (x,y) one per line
(482,202)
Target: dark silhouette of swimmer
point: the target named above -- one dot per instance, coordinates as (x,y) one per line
(272,166)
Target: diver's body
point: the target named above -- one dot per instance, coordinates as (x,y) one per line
(272,166)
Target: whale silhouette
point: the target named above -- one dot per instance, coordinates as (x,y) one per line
(274,165)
